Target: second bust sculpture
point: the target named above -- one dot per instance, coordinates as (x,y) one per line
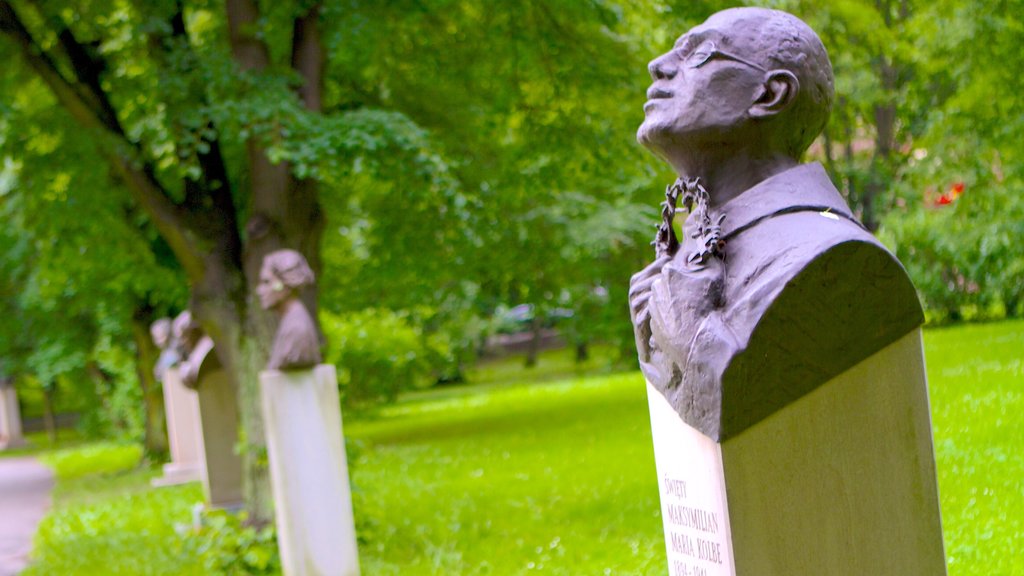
(296,345)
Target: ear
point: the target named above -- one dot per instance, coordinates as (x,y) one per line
(777,93)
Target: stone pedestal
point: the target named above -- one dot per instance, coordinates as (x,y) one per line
(838,482)
(184,433)
(10,418)
(315,527)
(218,415)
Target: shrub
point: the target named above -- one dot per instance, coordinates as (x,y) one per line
(966,260)
(227,545)
(380,352)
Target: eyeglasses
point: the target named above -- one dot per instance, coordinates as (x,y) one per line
(708,51)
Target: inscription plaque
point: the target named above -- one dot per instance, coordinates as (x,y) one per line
(691,481)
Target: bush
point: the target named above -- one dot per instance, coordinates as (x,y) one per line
(380,353)
(966,260)
(227,545)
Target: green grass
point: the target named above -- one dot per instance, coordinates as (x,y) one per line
(107,519)
(38,443)
(513,477)
(128,529)
(976,376)
(486,477)
(92,459)
(553,479)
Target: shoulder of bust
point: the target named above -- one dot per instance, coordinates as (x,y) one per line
(844,303)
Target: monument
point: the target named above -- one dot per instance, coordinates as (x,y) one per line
(201,370)
(302,415)
(10,416)
(181,406)
(780,341)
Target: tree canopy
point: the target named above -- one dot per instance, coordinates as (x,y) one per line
(436,161)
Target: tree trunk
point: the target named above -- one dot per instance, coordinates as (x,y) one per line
(203,229)
(284,212)
(146,356)
(582,352)
(1011,302)
(536,331)
(49,419)
(830,161)
(878,178)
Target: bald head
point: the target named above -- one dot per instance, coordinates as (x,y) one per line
(747,78)
(778,40)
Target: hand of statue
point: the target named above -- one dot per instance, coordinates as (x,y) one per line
(639,297)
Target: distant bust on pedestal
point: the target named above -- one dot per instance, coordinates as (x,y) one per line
(776,287)
(161,331)
(296,344)
(194,348)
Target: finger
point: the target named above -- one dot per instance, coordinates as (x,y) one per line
(641,287)
(640,303)
(643,322)
(643,339)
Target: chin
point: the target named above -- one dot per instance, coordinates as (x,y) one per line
(648,135)
(655,138)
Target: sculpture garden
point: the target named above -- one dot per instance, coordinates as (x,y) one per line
(368,288)
(551,474)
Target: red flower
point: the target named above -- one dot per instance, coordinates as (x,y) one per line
(954,192)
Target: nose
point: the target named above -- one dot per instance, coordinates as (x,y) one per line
(662,67)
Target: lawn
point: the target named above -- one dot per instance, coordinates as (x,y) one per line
(554,479)
(976,376)
(515,477)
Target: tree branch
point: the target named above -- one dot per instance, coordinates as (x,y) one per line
(88,110)
(78,103)
(213,184)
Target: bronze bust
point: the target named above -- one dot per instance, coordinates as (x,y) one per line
(775,283)
(296,344)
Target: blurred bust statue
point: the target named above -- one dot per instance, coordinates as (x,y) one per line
(160,331)
(284,274)
(193,346)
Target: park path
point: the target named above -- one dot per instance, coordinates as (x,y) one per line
(25,487)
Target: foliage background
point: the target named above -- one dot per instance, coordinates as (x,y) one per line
(473,156)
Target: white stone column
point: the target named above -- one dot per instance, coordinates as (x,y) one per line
(10,419)
(184,432)
(691,481)
(839,482)
(308,469)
